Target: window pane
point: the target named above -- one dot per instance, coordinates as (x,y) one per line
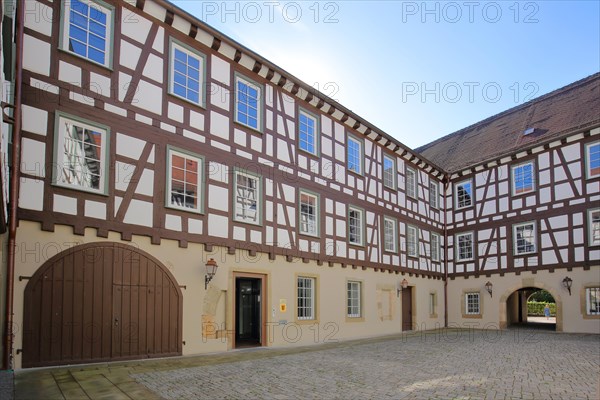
(308,214)
(81,155)
(307,134)
(355,226)
(464,194)
(305,308)
(247,104)
(186,74)
(88,31)
(525,239)
(246,198)
(354,155)
(388,172)
(465,247)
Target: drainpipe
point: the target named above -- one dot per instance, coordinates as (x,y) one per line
(446,185)
(14,191)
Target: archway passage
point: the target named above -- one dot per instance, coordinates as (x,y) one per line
(101,302)
(525,309)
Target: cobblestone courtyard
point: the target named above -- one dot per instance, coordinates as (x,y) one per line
(467,364)
(511,364)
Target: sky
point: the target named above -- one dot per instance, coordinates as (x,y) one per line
(418,70)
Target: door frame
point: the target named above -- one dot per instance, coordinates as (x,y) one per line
(263,309)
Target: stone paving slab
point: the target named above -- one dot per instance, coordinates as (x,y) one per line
(459,365)
(443,364)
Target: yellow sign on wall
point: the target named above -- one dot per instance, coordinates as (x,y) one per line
(282,305)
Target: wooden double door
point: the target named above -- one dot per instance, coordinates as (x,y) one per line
(101,302)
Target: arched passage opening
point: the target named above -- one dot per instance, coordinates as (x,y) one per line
(532,308)
(101,302)
(515,312)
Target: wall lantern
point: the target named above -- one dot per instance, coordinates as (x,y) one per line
(488,287)
(567,282)
(401,286)
(211,270)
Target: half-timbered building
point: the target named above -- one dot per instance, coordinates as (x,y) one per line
(152,147)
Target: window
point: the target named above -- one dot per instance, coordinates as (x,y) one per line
(353,310)
(247,192)
(524,238)
(594,227)
(435,247)
(308,132)
(355,226)
(432,304)
(306,298)
(434,195)
(522,178)
(412,241)
(184,181)
(248,103)
(80,154)
(592,300)
(592,152)
(87,30)
(389,234)
(389,172)
(472,303)
(464,246)
(464,194)
(187,73)
(355,155)
(411,182)
(309,214)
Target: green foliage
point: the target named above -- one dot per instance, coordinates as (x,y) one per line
(536,308)
(542,296)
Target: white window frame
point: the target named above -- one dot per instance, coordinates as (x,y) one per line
(361,228)
(305,298)
(411,184)
(315,134)
(458,248)
(353,299)
(516,228)
(176,45)
(593,230)
(434,194)
(435,245)
(473,307)
(588,156)
(595,291)
(361,155)
(393,223)
(199,181)
(59,171)
(458,185)
(516,176)
(412,246)
(258,190)
(389,178)
(65,30)
(301,214)
(259,102)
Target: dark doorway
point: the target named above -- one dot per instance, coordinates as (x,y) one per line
(407,309)
(248,318)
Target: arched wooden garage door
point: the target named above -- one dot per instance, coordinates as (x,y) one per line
(101,302)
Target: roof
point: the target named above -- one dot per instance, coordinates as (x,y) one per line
(573,108)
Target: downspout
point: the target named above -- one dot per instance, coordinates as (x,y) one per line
(14,191)
(446,185)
